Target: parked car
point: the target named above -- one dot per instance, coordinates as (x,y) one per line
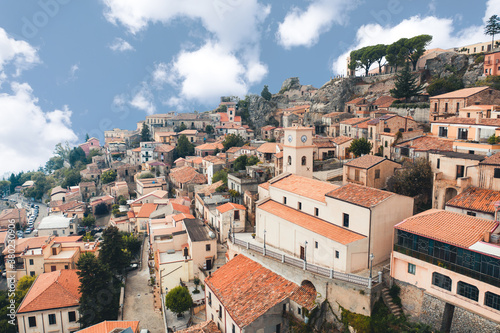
(28,231)
(132,267)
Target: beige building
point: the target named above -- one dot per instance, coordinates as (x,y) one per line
(229,216)
(298,151)
(369,170)
(51,304)
(148,185)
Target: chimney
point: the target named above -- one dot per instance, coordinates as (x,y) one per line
(487,236)
(479,116)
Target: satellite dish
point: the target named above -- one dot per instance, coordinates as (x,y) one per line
(211,235)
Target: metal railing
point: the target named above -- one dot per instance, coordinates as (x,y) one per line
(323,271)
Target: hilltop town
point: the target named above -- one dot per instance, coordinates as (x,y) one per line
(346,207)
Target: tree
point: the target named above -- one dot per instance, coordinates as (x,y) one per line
(72,177)
(252,160)
(240,163)
(108,176)
(97,301)
(62,151)
(182,127)
(178,300)
(77,154)
(406,84)
(24,285)
(209,129)
(88,221)
(145,134)
(220,175)
(54,163)
(415,47)
(395,53)
(266,94)
(360,147)
(233,140)
(132,243)
(492,28)
(113,250)
(146,175)
(379,52)
(184,147)
(414,179)
(364,58)
(101,209)
(87,137)
(443,85)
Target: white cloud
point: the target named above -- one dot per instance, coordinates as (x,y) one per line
(143,100)
(28,134)
(227,62)
(492,8)
(441,29)
(303,27)
(72,73)
(17,52)
(121,45)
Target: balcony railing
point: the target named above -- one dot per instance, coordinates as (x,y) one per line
(448,265)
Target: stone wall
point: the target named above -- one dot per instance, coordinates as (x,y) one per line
(420,115)
(422,307)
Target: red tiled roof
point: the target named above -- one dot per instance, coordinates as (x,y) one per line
(205,327)
(210,146)
(265,185)
(341,139)
(360,195)
(384,101)
(237,119)
(332,114)
(268,148)
(189,132)
(268,128)
(52,290)
(323,143)
(31,242)
(305,296)
(164,148)
(108,326)
(478,199)
(462,93)
(146,210)
(469,121)
(187,174)
(182,216)
(223,117)
(356,100)
(354,121)
(366,161)
(314,224)
(427,143)
(306,187)
(229,206)
(248,290)
(364,124)
(491,160)
(180,208)
(447,227)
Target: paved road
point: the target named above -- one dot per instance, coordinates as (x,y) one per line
(138,302)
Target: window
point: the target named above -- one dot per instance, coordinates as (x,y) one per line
(234,329)
(438,164)
(445,107)
(207,247)
(441,281)
(32,321)
(435,107)
(468,290)
(236,215)
(316,245)
(303,160)
(52,268)
(496,173)
(32,273)
(458,106)
(220,311)
(289,160)
(346,220)
(412,268)
(471,213)
(52,319)
(377,174)
(284,200)
(209,298)
(492,300)
(337,254)
(298,310)
(66,266)
(31,261)
(72,316)
(278,328)
(385,144)
(356,175)
(299,205)
(460,171)
(443,132)
(462,133)
(468,114)
(316,211)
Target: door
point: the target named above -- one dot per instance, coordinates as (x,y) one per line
(208,263)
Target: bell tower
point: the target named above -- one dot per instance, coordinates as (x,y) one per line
(298,151)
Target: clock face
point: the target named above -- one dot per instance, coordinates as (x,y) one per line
(303,138)
(289,138)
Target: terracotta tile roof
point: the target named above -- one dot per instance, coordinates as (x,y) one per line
(209,189)
(353,121)
(223,117)
(67,239)
(279,155)
(180,208)
(476,199)
(360,195)
(452,228)
(384,101)
(233,150)
(366,161)
(187,174)
(268,128)
(31,242)
(306,187)
(247,289)
(428,143)
(137,150)
(341,139)
(189,132)
(205,327)
(323,143)
(3,234)
(364,124)
(469,121)
(491,160)
(214,159)
(237,119)
(229,206)
(130,214)
(480,107)
(462,93)
(52,290)
(356,100)
(146,210)
(195,160)
(182,216)
(210,146)
(268,148)
(164,148)
(108,326)
(265,185)
(305,296)
(314,224)
(332,114)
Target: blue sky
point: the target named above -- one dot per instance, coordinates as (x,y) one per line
(71,67)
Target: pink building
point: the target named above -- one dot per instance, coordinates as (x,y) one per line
(91,143)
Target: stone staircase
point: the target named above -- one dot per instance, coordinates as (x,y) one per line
(395,309)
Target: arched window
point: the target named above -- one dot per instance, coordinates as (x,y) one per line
(303,160)
(289,160)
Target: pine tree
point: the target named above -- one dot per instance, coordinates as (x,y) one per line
(492,28)
(266,94)
(145,134)
(406,84)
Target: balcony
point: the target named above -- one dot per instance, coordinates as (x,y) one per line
(448,265)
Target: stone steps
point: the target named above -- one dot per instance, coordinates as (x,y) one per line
(395,310)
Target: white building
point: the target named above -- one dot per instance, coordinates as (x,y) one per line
(58,225)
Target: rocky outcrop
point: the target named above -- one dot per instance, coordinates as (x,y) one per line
(261,110)
(451,63)
(292,83)
(333,95)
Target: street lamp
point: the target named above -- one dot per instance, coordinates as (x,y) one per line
(264,239)
(371,265)
(305,251)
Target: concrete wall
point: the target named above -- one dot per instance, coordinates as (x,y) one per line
(42,321)
(176,271)
(292,200)
(465,211)
(420,115)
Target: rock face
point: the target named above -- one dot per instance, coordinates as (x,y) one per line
(332,96)
(462,65)
(260,110)
(292,83)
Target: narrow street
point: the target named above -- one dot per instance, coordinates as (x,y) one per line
(138,302)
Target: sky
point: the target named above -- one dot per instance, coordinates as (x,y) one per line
(68,67)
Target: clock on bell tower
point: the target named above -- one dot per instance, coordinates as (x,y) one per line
(298,151)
